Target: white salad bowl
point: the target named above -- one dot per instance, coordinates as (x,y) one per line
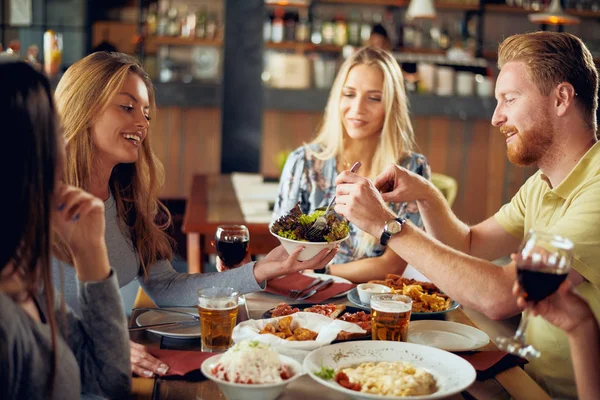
(242,391)
(311,249)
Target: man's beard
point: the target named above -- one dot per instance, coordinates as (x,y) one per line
(530,146)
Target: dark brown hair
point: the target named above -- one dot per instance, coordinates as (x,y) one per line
(27,173)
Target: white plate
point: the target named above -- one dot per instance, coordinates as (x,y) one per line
(336,279)
(178,332)
(446,335)
(452,373)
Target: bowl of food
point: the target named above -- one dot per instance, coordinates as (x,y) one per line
(366,290)
(389,370)
(251,370)
(291,230)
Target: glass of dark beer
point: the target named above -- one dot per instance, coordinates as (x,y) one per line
(543,262)
(231,242)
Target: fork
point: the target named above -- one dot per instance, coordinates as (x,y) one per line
(295,293)
(320,224)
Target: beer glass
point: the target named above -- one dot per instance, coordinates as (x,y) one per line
(390,315)
(231,242)
(543,262)
(218,309)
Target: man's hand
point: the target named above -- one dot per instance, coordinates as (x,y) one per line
(278,262)
(359,201)
(398,184)
(564,309)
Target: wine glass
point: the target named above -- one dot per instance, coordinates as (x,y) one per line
(231,242)
(543,262)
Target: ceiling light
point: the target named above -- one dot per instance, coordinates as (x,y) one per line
(420,9)
(554,15)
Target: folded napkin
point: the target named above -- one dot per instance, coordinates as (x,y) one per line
(490,363)
(282,286)
(180,362)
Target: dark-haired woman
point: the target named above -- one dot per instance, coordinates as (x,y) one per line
(46,351)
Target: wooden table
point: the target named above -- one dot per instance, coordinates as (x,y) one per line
(213,202)
(513,382)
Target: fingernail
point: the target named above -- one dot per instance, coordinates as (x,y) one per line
(149,374)
(76,217)
(162,369)
(61,207)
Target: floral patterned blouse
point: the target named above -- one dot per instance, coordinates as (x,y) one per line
(312,183)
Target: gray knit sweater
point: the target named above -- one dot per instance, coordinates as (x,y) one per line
(164,285)
(92,350)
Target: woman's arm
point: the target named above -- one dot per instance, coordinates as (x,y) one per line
(370,268)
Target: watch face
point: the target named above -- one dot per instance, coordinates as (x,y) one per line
(393,227)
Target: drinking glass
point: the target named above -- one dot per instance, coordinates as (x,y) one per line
(543,262)
(218,310)
(231,242)
(390,316)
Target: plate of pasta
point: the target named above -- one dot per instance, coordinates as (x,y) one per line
(389,370)
(428,300)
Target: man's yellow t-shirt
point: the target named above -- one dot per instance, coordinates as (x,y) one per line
(571,210)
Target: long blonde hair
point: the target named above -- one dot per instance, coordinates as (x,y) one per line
(397,137)
(83,93)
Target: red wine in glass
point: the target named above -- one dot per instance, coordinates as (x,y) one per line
(543,262)
(539,282)
(231,242)
(232,252)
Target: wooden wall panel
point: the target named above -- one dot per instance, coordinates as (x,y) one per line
(188,142)
(472,152)
(285,131)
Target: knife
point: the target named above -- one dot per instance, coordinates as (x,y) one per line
(320,286)
(164,324)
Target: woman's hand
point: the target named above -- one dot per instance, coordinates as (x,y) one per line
(278,262)
(359,201)
(564,309)
(398,184)
(143,364)
(78,218)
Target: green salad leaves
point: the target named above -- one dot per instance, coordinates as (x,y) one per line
(326,373)
(295,224)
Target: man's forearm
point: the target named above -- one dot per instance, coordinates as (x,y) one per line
(441,223)
(473,282)
(585,355)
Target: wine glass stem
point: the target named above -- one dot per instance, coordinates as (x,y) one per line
(520,334)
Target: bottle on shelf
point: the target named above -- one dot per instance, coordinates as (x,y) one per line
(303,26)
(354,29)
(277,27)
(328,31)
(365,28)
(267,32)
(316,36)
(173,26)
(340,37)
(212,23)
(201,22)
(152,19)
(289,27)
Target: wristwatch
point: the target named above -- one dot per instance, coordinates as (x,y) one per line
(391,228)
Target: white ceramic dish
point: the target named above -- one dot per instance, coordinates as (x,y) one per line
(336,279)
(242,391)
(446,335)
(366,290)
(453,374)
(310,248)
(176,332)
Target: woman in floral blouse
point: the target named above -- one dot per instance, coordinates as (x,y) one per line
(367,120)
